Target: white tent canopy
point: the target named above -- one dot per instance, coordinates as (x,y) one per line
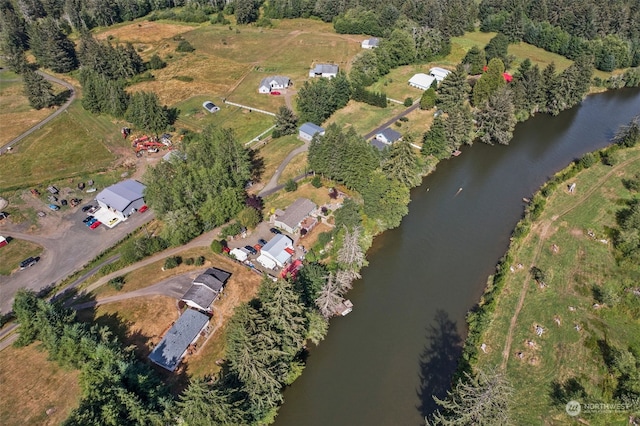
(241,255)
(267,262)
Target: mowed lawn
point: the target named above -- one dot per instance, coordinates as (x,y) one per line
(570,243)
(73,143)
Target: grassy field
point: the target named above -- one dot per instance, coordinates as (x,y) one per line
(16,251)
(571,242)
(281,200)
(297,166)
(274,152)
(363,117)
(28,393)
(16,114)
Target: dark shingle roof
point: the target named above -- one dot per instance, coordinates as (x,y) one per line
(201,295)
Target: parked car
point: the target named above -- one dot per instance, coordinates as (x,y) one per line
(251,250)
(87,207)
(275,231)
(276,93)
(90,221)
(262,241)
(4,215)
(54,207)
(211,107)
(95,224)
(143,209)
(226,249)
(29,261)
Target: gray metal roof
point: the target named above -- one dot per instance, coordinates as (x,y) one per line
(120,195)
(390,134)
(311,129)
(278,79)
(201,295)
(168,353)
(220,274)
(275,248)
(296,212)
(373,41)
(213,278)
(325,69)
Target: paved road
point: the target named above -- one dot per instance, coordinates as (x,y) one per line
(67,249)
(59,111)
(270,187)
(391,121)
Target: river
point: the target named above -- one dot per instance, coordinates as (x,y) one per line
(381,364)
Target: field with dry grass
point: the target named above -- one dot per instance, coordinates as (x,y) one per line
(17,250)
(297,166)
(16,114)
(280,200)
(32,385)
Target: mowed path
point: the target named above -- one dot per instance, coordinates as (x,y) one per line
(543,229)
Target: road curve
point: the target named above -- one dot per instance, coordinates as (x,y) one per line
(56,113)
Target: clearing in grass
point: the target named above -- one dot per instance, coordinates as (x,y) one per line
(581,305)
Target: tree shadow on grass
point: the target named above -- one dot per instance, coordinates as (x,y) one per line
(438,361)
(62,97)
(257,165)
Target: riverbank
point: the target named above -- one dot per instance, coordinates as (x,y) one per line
(560,275)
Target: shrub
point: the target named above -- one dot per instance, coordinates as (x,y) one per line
(184,78)
(117,282)
(316,182)
(249,217)
(291,185)
(231,230)
(155,63)
(189,261)
(216,246)
(324,238)
(588,160)
(408,102)
(172,262)
(185,46)
(199,261)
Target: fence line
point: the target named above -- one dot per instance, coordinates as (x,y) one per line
(250,108)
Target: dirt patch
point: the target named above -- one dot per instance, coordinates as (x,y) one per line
(310,239)
(576,232)
(34,386)
(144,32)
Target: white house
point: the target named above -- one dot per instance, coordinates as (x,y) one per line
(276,252)
(324,70)
(439,73)
(308,130)
(294,215)
(174,345)
(388,136)
(370,43)
(421,81)
(123,198)
(275,82)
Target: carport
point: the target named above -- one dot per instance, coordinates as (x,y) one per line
(107,217)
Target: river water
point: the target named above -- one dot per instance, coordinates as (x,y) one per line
(381,364)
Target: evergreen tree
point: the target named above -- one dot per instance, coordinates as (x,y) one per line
(13,37)
(496,119)
(202,404)
(348,215)
(310,280)
(551,90)
(385,200)
(527,90)
(341,90)
(402,164)
(490,82)
(428,99)
(37,89)
(497,48)
(286,122)
(459,127)
(315,101)
(146,113)
(434,141)
(475,59)
(51,47)
(454,90)
(480,400)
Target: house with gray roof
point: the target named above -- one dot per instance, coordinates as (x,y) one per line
(370,43)
(174,345)
(206,288)
(308,130)
(275,82)
(123,198)
(388,136)
(276,252)
(294,215)
(324,70)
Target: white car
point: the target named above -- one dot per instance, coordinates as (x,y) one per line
(211,107)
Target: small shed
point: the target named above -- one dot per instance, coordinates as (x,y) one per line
(239,254)
(421,81)
(308,130)
(324,70)
(123,198)
(173,346)
(294,214)
(439,73)
(370,43)
(388,136)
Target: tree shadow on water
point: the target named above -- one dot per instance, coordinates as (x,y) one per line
(438,361)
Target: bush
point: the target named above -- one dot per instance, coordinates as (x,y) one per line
(231,229)
(588,160)
(117,282)
(324,238)
(199,261)
(185,46)
(156,63)
(408,102)
(184,78)
(249,217)
(316,182)
(291,185)
(172,262)
(216,246)
(189,261)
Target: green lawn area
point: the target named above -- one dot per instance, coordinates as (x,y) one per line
(274,152)
(282,199)
(574,262)
(15,252)
(74,143)
(363,117)
(247,125)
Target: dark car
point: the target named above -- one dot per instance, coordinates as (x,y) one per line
(251,250)
(29,261)
(87,207)
(262,242)
(88,219)
(275,231)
